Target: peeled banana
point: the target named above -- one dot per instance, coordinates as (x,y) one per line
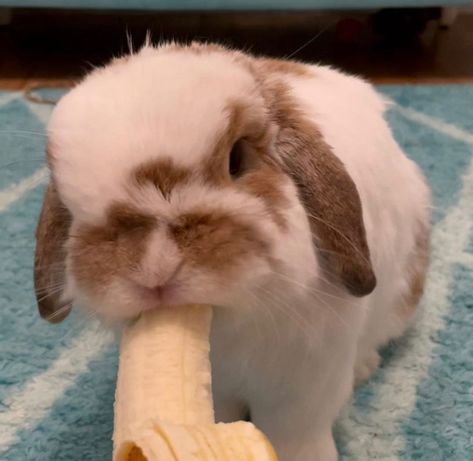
(163,402)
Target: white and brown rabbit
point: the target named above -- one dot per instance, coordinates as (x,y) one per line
(273,190)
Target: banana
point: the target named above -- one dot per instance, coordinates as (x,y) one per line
(163,401)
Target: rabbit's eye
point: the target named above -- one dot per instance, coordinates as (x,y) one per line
(236,160)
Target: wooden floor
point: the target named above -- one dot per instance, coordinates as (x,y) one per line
(57,47)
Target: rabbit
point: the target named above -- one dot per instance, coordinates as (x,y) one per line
(273,190)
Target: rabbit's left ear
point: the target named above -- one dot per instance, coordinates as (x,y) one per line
(50,257)
(328,194)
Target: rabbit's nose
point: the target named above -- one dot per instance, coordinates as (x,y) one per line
(168,278)
(160,263)
(157,280)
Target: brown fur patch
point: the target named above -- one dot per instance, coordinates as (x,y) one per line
(243,125)
(216,240)
(326,190)
(417,269)
(49,263)
(163,174)
(268,66)
(265,183)
(210,240)
(124,218)
(262,177)
(101,252)
(215,167)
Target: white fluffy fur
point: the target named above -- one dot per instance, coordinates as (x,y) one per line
(155,104)
(296,404)
(287,345)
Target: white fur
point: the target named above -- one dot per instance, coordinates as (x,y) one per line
(284,344)
(395,199)
(170,113)
(296,394)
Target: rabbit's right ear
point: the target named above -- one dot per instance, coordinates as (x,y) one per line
(327,192)
(50,257)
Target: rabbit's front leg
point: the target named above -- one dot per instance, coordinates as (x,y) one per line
(307,446)
(298,434)
(299,418)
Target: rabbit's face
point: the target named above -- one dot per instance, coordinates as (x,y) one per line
(167,167)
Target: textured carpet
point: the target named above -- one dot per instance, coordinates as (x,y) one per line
(57,382)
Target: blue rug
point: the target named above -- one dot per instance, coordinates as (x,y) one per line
(57,382)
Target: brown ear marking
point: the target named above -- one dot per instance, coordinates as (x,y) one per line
(49,262)
(328,193)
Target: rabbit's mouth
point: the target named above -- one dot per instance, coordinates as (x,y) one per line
(161,295)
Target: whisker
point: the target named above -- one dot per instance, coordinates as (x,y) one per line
(262,304)
(52,292)
(289,311)
(23,132)
(314,290)
(58,312)
(52,264)
(341,234)
(313,39)
(21,163)
(49,289)
(129,39)
(318,295)
(53,273)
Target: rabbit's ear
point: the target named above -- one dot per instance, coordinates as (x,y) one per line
(50,256)
(328,194)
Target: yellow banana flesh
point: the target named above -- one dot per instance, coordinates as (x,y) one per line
(163,404)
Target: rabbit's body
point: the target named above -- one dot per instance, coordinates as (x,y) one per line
(393,193)
(272,190)
(324,337)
